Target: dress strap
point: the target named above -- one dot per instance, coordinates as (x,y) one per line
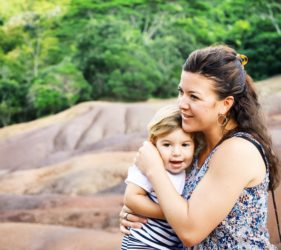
(249,138)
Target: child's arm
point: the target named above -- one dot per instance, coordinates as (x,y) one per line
(136,199)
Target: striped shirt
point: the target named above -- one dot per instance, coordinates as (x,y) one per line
(156,233)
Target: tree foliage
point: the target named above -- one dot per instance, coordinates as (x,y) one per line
(56,88)
(54,54)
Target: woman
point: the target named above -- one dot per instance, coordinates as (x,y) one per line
(224,203)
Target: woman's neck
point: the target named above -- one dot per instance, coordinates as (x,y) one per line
(212,138)
(210,141)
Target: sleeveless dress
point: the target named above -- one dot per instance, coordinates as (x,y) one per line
(245,227)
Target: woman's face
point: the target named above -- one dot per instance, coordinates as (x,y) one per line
(198,102)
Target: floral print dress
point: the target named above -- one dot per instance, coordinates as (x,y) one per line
(245,227)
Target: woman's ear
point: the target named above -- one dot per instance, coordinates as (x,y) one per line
(227,104)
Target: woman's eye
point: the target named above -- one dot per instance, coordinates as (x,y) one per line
(193,97)
(180,91)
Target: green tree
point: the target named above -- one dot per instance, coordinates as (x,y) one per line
(10,101)
(115,61)
(56,88)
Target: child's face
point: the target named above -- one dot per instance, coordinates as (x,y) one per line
(176,150)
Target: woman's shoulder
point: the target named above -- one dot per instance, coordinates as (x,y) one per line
(240,148)
(238,156)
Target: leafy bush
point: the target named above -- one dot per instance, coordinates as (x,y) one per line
(115,61)
(57,88)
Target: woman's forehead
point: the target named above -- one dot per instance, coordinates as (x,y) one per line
(195,82)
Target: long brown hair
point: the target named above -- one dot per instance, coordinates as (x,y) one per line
(224,66)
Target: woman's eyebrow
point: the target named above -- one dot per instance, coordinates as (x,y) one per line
(189,91)
(193,92)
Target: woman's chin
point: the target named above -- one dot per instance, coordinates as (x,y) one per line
(187,128)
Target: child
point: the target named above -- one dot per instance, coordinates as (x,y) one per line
(176,149)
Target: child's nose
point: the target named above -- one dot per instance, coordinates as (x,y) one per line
(176,151)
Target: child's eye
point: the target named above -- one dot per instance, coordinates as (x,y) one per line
(185,144)
(166,144)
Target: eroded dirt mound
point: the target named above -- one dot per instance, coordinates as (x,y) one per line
(87,174)
(84,128)
(94,212)
(24,236)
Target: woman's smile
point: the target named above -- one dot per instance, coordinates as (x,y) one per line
(186,116)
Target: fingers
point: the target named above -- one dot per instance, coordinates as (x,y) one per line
(126,216)
(125,210)
(124,230)
(145,146)
(128,210)
(129,224)
(135,218)
(128,220)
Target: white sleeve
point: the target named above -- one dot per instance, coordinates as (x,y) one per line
(178,180)
(137,177)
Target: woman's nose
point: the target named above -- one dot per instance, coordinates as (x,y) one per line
(183,102)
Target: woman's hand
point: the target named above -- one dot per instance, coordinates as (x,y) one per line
(148,158)
(128,219)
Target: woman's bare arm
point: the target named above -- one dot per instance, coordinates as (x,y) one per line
(233,166)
